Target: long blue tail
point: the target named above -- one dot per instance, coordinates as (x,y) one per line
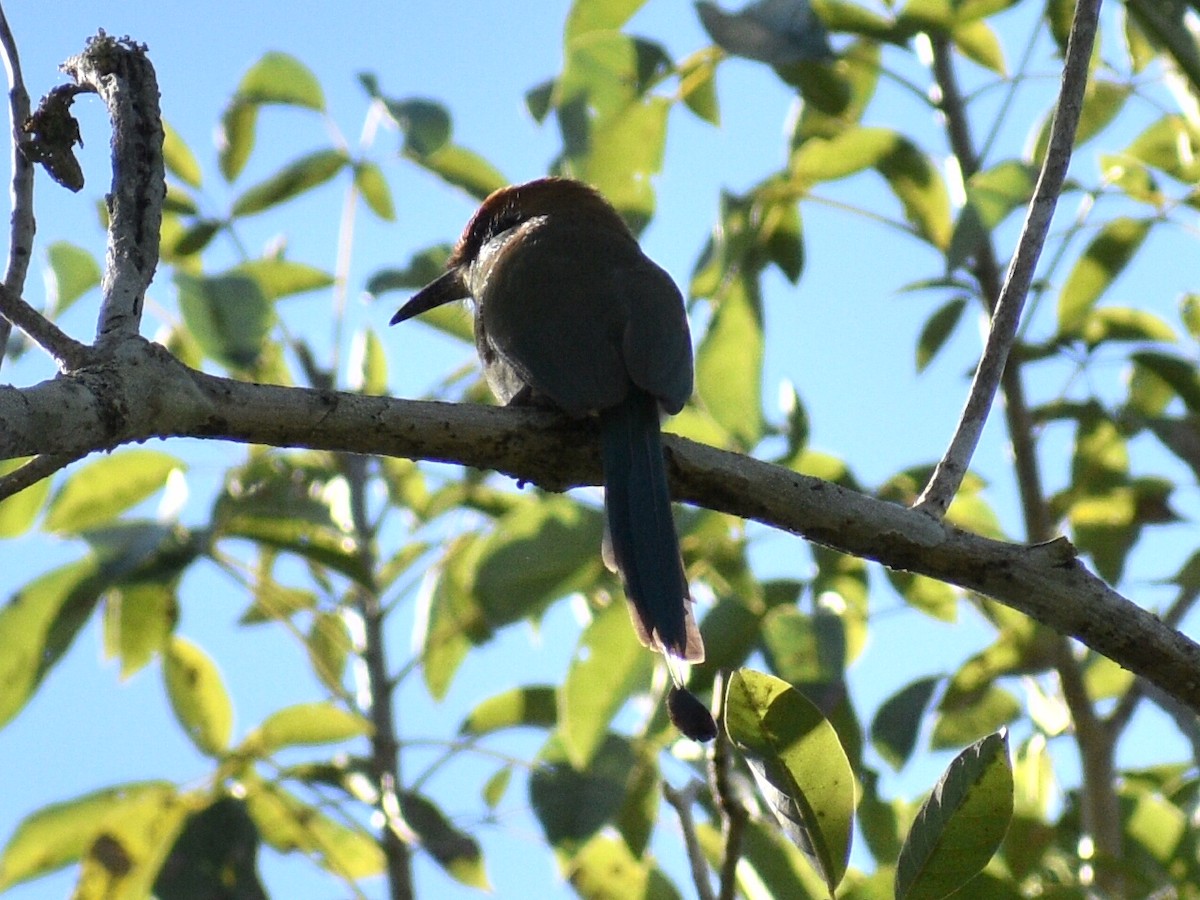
(641,530)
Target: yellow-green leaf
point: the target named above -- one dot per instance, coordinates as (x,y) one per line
(295,178)
(73,272)
(18,511)
(101,490)
(198,696)
(1103,260)
(280,78)
(369,180)
(178,158)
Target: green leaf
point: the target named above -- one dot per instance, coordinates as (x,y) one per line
(963,718)
(295,178)
(289,824)
(820,159)
(961,825)
(536,553)
(103,489)
(191,240)
(216,855)
(978,42)
(1189,313)
(1170,145)
(919,187)
(18,512)
(329,646)
(228,315)
(278,278)
(369,180)
(73,272)
(799,766)
(61,833)
(1103,260)
(198,696)
(729,361)
(992,195)
(310,723)
(425,124)
(1120,323)
(178,158)
(368,364)
(534,706)
(608,667)
(572,804)
(598,15)
(1102,101)
(138,621)
(698,85)
(280,78)
(937,330)
(897,722)
(934,598)
(451,848)
(465,169)
(622,153)
(37,626)
(495,787)
(297,503)
(1176,372)
(606,869)
(452,616)
(235,138)
(805,649)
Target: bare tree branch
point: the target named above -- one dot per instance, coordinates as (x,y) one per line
(67,352)
(120,73)
(21,222)
(949,473)
(32,472)
(140,391)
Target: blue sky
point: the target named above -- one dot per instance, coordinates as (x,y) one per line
(843,336)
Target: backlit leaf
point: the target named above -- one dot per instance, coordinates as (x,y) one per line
(1103,260)
(61,833)
(799,765)
(299,176)
(73,272)
(534,706)
(228,315)
(198,696)
(609,666)
(280,78)
(310,723)
(104,488)
(729,362)
(178,158)
(961,825)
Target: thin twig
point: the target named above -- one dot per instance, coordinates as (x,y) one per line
(21,223)
(120,72)
(681,801)
(395,835)
(949,473)
(733,811)
(67,352)
(34,471)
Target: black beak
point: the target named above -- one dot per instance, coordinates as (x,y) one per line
(447,288)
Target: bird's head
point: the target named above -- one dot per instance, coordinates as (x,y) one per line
(497,221)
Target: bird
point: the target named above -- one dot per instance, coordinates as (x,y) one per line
(571,314)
